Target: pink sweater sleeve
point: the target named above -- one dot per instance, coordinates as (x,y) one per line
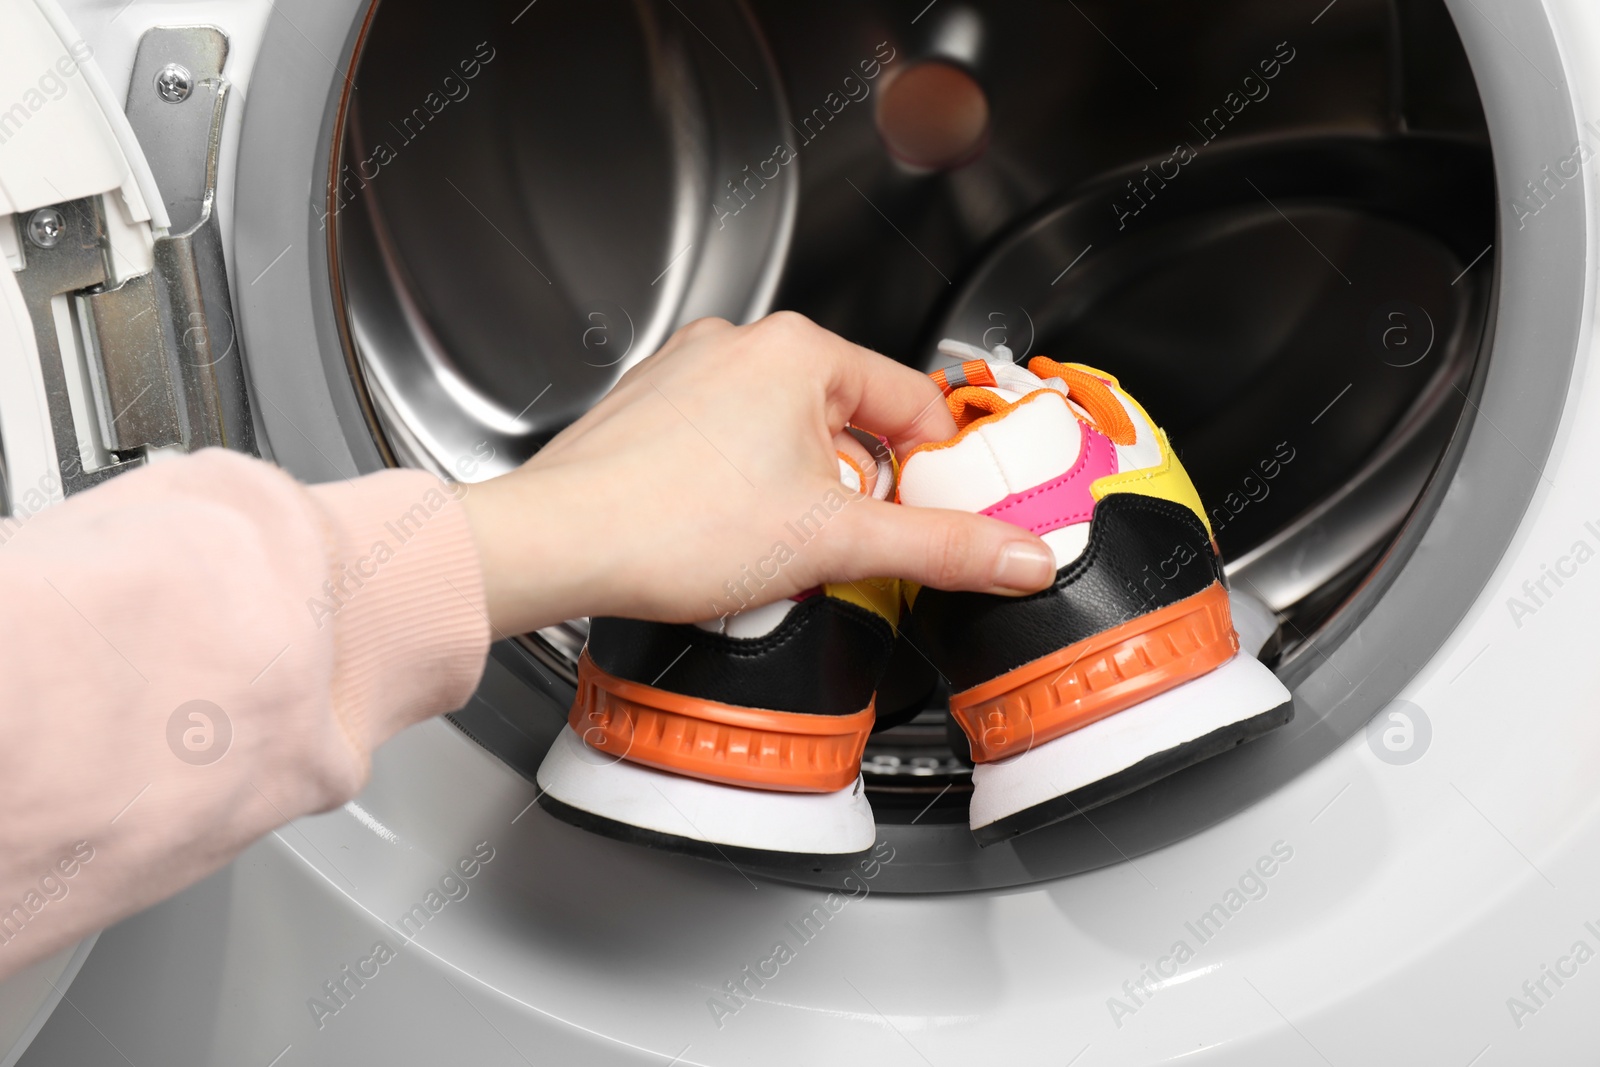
(198,651)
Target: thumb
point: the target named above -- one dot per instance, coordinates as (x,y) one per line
(945,549)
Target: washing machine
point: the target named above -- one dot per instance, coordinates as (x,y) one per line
(1345,250)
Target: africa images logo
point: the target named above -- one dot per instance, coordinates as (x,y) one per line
(199,732)
(742,989)
(1252,885)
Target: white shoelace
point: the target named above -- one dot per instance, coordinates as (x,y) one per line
(1009,377)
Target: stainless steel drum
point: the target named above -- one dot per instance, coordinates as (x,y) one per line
(1285,251)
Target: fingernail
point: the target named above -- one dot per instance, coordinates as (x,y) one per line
(1025,567)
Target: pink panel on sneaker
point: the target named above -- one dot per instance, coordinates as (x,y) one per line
(1063,500)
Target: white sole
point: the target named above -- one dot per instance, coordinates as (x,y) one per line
(1238,691)
(678,813)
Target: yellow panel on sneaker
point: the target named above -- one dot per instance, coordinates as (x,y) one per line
(878,595)
(1167,481)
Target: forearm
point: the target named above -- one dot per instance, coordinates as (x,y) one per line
(313,624)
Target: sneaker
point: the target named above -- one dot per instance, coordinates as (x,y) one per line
(739,737)
(1128,668)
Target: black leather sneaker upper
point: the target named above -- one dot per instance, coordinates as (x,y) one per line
(825,658)
(1144,553)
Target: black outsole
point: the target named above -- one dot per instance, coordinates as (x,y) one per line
(706,850)
(1131,779)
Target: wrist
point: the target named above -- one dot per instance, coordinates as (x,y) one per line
(530,548)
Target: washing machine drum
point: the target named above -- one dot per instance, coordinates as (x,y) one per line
(1286,251)
(1339,252)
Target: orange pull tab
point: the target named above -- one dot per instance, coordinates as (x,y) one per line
(972,372)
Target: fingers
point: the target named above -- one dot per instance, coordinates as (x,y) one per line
(864,388)
(890,398)
(944,549)
(902,404)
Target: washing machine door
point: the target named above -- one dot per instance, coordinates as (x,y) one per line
(439,270)
(115,249)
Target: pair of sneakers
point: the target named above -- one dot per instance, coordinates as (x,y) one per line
(742,737)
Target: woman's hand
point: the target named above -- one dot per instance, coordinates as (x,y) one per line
(707,480)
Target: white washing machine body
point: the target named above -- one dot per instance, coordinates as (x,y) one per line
(1417,890)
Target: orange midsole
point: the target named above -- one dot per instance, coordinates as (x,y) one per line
(1096,677)
(786,751)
